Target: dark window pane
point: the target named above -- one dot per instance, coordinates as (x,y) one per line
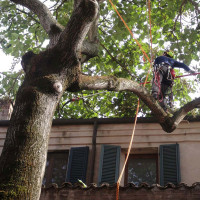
(142,168)
(56,168)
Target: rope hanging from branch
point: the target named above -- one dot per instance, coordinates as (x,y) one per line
(138,105)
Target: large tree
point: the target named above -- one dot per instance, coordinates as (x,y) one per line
(59,68)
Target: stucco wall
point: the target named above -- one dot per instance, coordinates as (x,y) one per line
(148,138)
(190,162)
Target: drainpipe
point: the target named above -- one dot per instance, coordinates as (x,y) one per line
(94,138)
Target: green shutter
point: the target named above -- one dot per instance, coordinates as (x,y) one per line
(109,164)
(169,164)
(77,164)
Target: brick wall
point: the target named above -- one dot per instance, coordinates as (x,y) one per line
(130,192)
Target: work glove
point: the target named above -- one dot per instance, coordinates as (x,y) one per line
(191,71)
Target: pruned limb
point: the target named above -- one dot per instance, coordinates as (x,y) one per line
(168,123)
(90,49)
(78,26)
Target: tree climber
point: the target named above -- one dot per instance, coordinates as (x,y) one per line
(163,77)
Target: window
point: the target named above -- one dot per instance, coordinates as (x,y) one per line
(142,168)
(56,168)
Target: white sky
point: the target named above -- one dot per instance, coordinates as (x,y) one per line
(6,63)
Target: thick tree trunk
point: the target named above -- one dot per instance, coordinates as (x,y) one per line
(22,162)
(23,159)
(24,155)
(48,75)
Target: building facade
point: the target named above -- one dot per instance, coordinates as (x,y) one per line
(94,151)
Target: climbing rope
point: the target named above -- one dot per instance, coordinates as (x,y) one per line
(138,105)
(131,33)
(129,149)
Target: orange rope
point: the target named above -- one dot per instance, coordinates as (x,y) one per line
(117,191)
(138,105)
(130,144)
(144,53)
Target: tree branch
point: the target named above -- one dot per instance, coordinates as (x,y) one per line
(46,18)
(182,112)
(121,84)
(73,35)
(115,59)
(29,15)
(179,14)
(196,5)
(54,29)
(90,47)
(112,83)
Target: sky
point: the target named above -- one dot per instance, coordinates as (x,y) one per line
(6,62)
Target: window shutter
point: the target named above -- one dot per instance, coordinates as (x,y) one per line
(77,164)
(169,164)
(109,164)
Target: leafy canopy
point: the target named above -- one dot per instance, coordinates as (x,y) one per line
(175,25)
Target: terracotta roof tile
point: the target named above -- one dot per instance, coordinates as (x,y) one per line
(68,185)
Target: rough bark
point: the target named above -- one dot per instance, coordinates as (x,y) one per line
(23,159)
(48,75)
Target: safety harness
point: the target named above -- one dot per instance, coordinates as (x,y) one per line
(169,75)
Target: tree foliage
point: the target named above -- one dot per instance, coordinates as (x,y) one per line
(78,60)
(175,25)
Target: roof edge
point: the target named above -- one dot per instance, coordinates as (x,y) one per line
(105,120)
